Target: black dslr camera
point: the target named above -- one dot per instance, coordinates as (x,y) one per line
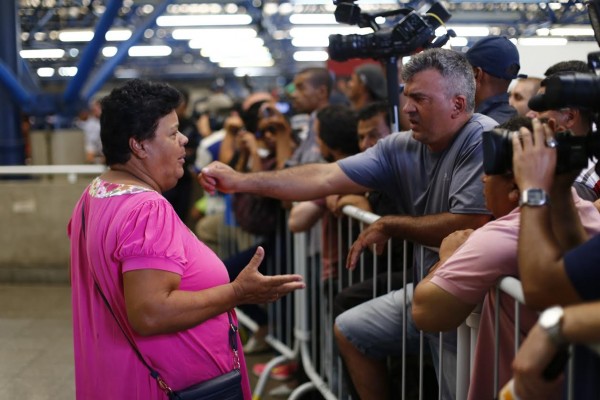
(577,90)
(413,33)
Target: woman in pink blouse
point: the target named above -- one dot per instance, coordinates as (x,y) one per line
(169,292)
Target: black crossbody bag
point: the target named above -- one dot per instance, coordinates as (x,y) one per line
(223,387)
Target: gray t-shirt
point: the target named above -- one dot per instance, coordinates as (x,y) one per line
(423,182)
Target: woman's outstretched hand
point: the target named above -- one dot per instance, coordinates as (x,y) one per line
(252,287)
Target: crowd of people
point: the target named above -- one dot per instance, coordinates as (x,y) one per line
(171,295)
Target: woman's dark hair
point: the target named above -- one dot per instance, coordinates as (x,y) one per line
(337,128)
(133,111)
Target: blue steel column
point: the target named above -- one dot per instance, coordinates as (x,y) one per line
(12,145)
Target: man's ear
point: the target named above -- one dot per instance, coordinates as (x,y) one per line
(459,105)
(569,117)
(478,73)
(514,195)
(137,148)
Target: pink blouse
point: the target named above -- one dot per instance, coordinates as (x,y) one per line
(129,228)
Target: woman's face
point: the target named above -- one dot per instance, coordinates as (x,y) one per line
(166,152)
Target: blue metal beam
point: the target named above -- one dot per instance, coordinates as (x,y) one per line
(91,51)
(12,145)
(10,82)
(110,65)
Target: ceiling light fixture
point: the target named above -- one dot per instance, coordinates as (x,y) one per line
(468,31)
(43,53)
(319,55)
(114,35)
(45,72)
(238,63)
(310,42)
(212,33)
(323,31)
(150,51)
(543,41)
(313,19)
(204,20)
(67,71)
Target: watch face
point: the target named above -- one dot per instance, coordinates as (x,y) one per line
(551,317)
(535,196)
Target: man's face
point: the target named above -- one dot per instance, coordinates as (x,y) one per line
(429,108)
(305,98)
(355,87)
(519,96)
(371,130)
(500,193)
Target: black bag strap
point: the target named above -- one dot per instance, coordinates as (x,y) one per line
(153,373)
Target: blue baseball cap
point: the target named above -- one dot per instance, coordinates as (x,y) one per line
(496,55)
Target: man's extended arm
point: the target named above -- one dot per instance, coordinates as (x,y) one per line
(305,182)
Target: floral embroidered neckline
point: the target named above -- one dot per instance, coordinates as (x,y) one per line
(100,188)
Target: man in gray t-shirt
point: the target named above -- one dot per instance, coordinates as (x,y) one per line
(433,170)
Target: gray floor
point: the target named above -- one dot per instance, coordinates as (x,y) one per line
(36,351)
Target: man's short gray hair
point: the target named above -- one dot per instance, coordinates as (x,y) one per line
(452,65)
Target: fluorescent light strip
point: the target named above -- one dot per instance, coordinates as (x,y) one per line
(313,19)
(246,63)
(76,36)
(114,35)
(149,51)
(43,53)
(311,56)
(468,31)
(223,56)
(571,31)
(211,34)
(322,31)
(229,43)
(109,51)
(540,41)
(45,72)
(201,20)
(67,71)
(118,35)
(310,42)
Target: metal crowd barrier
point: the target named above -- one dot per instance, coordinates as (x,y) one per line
(292,320)
(512,287)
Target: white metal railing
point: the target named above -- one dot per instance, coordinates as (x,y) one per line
(312,347)
(71,171)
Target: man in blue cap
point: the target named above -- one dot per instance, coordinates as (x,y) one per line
(495,61)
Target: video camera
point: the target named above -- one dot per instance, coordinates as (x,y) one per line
(578,90)
(413,33)
(573,152)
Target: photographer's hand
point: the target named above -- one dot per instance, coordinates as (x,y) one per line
(533,357)
(534,162)
(542,272)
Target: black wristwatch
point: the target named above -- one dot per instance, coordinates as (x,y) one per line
(533,197)
(551,321)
